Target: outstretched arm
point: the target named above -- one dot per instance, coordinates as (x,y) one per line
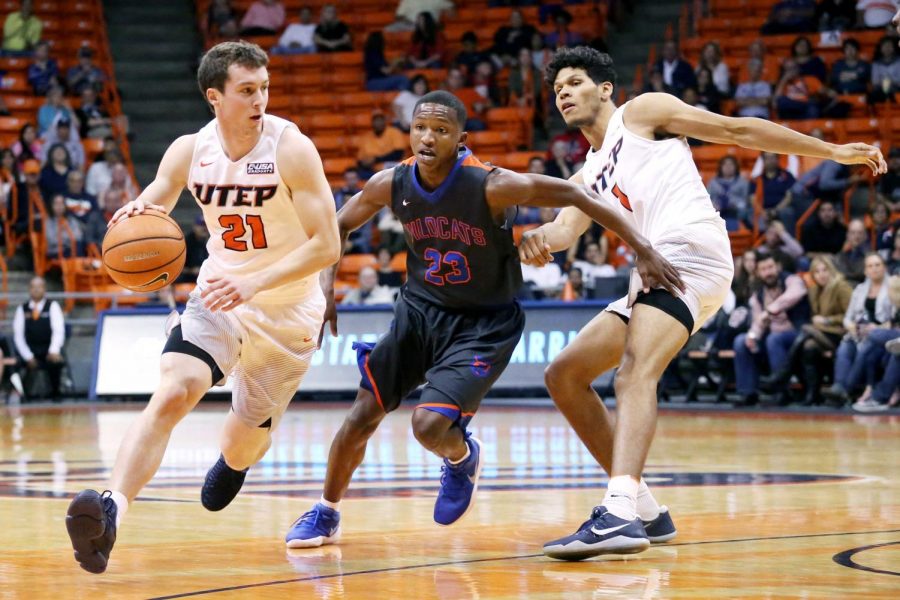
(301,169)
(537,245)
(507,188)
(651,113)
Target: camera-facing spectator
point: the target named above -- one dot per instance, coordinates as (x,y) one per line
(776,182)
(470,55)
(560,166)
(870,307)
(744,282)
(264,17)
(408,10)
(824,233)
(852,257)
(708,95)
(85,74)
(677,73)
(383,144)
(120,191)
(595,263)
(885,70)
(62,230)
(332,34)
(850,74)
(562,36)
(84,207)
(93,117)
(730,193)
(574,288)
(525,83)
(369,292)
(799,96)
(885,348)
(54,172)
(778,308)
(39,332)
(28,146)
(807,61)
(882,226)
(298,37)
(64,133)
(21,30)
(711,59)
(426,50)
(43,72)
(892,256)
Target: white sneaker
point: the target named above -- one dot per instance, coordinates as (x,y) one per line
(869,405)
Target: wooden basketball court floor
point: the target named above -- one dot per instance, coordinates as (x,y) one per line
(767,506)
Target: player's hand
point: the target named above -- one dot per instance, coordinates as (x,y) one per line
(534,249)
(226,293)
(861,154)
(32,363)
(656,271)
(330,319)
(135,207)
(54,357)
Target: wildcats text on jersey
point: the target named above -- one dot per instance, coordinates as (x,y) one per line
(233,195)
(445,229)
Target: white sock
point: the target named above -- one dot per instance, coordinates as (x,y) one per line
(647,506)
(335,506)
(465,456)
(621,497)
(121,504)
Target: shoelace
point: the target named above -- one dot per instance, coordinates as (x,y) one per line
(110,506)
(308,517)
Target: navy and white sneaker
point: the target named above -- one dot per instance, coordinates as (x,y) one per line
(662,528)
(603,533)
(458,486)
(317,527)
(91,523)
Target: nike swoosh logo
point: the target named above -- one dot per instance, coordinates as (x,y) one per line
(306,340)
(164,277)
(203,164)
(608,530)
(405,202)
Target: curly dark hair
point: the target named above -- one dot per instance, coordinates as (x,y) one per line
(598,65)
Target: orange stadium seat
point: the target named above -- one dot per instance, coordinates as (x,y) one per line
(516,120)
(325,123)
(492,142)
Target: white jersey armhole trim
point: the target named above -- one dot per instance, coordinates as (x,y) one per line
(281,180)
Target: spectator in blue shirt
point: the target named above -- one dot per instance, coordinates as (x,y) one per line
(85,73)
(791,16)
(677,73)
(850,75)
(754,96)
(44,71)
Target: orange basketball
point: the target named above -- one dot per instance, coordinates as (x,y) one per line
(144,252)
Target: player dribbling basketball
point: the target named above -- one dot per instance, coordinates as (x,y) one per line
(258,305)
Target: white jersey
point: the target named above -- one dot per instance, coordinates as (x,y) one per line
(654,184)
(248,209)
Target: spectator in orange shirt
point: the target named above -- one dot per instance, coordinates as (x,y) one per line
(383,144)
(798,96)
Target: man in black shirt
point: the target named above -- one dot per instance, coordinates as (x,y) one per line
(332,35)
(824,233)
(39,334)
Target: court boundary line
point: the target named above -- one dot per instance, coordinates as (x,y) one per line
(845,559)
(522,556)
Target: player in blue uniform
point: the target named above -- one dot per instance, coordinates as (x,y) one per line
(456,321)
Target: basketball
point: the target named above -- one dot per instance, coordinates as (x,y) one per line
(144,252)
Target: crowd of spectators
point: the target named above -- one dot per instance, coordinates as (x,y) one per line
(48,163)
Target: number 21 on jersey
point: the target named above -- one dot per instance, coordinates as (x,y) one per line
(236,228)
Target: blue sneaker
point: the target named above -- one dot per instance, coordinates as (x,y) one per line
(458,485)
(320,526)
(661,529)
(603,533)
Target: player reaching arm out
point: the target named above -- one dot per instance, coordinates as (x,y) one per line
(507,188)
(302,171)
(655,113)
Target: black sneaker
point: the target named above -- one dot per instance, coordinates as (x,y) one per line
(91,523)
(221,486)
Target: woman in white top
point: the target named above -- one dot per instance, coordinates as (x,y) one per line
(406,100)
(711,58)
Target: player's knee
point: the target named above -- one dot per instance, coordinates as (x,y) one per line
(630,375)
(363,419)
(429,428)
(174,398)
